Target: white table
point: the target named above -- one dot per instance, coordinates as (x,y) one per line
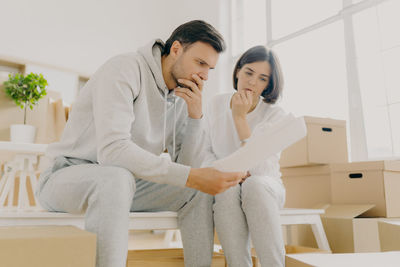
(23,162)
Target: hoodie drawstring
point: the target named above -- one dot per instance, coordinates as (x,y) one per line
(165,120)
(165,123)
(173,140)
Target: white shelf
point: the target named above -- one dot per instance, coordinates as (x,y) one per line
(23,148)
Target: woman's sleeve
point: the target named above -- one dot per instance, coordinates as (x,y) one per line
(270,166)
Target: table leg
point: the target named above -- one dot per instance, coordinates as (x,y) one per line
(319,234)
(23,192)
(289,237)
(4,177)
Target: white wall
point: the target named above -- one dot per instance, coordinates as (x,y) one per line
(81,35)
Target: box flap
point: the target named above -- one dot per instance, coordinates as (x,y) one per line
(389,233)
(324,121)
(387,165)
(391,165)
(393,221)
(343,211)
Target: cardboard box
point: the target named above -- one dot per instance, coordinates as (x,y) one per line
(47,246)
(386,259)
(299,249)
(347,232)
(369,182)
(300,235)
(289,249)
(326,142)
(307,186)
(171,257)
(389,234)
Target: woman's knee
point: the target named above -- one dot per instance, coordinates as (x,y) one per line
(258,188)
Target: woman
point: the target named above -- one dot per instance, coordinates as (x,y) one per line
(252,207)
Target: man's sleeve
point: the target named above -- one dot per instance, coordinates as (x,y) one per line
(115,87)
(194,145)
(188,142)
(208,155)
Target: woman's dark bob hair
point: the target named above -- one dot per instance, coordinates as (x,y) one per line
(261,53)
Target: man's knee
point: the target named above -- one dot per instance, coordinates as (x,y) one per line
(116,181)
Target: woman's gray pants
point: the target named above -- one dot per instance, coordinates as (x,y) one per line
(107,194)
(252,207)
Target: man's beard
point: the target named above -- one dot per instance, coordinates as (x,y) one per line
(178,73)
(174,75)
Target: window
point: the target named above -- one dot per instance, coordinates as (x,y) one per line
(335,58)
(378,62)
(249,24)
(63,82)
(289,16)
(314,68)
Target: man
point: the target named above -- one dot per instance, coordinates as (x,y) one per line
(108,161)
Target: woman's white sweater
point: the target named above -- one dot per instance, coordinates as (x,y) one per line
(221,138)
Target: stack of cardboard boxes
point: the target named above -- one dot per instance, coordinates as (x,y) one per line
(355,195)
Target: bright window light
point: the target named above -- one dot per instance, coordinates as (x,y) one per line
(289,16)
(377,40)
(314,72)
(394,112)
(249,24)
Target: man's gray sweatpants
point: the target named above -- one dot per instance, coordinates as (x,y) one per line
(106,194)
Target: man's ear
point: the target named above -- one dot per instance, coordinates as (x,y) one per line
(176,48)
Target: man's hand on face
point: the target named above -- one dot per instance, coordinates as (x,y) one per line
(191,93)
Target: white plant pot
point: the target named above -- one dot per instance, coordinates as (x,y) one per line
(22,133)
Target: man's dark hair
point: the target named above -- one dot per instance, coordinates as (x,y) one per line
(195,31)
(261,53)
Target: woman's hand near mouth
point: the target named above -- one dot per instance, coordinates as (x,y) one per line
(241,103)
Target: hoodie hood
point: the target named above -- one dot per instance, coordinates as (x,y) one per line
(152,55)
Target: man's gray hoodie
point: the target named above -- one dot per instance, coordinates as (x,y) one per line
(118,119)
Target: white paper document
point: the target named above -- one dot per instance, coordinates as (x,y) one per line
(268,141)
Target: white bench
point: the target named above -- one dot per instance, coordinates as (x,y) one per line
(30,215)
(158,221)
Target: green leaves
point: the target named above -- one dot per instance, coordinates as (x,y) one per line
(27,90)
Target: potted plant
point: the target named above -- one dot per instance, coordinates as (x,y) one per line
(26,91)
